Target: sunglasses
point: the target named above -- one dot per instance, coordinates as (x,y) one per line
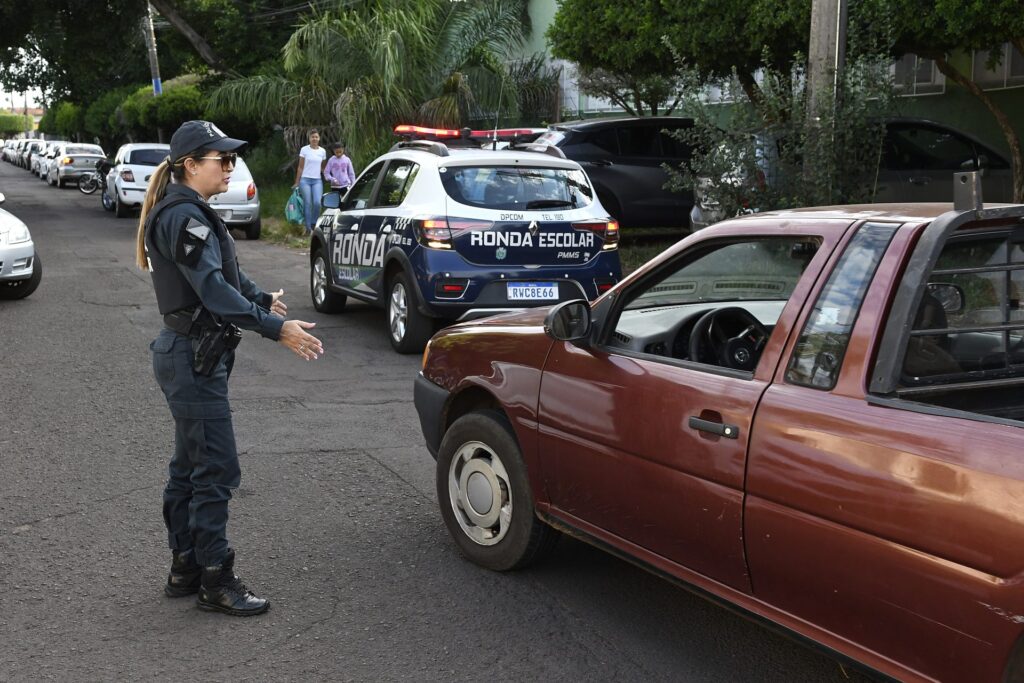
(227,160)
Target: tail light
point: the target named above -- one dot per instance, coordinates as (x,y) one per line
(66,161)
(250,192)
(433,233)
(127,175)
(609,229)
(603,284)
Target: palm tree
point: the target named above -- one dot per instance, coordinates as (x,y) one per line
(366,65)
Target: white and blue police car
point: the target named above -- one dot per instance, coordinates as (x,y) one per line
(434,233)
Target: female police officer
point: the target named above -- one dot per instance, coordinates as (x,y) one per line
(204,298)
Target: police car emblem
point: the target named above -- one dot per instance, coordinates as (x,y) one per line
(501,253)
(534,228)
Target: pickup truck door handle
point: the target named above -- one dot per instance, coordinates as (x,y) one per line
(718,428)
(920,180)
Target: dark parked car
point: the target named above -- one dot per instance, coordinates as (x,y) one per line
(624,158)
(813,416)
(918,157)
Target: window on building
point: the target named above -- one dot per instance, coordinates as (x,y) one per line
(917,76)
(1004,69)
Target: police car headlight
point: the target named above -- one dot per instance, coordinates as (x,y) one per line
(18,234)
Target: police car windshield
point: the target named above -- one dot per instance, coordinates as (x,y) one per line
(516,188)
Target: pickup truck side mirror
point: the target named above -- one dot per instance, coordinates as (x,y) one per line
(949,295)
(2,198)
(568,321)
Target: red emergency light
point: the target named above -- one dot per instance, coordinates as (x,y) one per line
(426,133)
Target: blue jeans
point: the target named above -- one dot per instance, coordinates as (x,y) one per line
(311,190)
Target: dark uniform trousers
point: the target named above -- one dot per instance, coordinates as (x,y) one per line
(204,469)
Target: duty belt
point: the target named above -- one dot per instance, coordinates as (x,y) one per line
(191,322)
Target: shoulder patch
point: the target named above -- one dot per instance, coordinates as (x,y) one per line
(191,241)
(197,229)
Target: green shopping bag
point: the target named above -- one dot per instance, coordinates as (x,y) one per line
(293,209)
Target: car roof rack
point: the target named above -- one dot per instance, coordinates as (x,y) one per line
(538,147)
(438,148)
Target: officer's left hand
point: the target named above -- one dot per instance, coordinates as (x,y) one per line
(277,306)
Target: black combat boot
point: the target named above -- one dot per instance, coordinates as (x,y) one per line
(185,575)
(222,591)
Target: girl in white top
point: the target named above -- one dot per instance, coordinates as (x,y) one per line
(308,178)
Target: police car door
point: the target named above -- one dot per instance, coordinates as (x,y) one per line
(346,242)
(381,227)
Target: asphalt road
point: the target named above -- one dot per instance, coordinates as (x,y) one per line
(336,519)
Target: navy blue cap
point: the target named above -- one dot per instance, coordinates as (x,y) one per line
(193,136)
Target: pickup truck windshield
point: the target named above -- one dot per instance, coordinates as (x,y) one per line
(753,270)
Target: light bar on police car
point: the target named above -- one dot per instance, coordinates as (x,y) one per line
(423,132)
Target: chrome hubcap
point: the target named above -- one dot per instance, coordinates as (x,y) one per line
(319,281)
(480,493)
(398,312)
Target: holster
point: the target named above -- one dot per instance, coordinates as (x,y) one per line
(212,339)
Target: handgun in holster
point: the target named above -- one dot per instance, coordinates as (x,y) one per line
(213,342)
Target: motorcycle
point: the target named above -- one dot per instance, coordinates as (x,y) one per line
(95,180)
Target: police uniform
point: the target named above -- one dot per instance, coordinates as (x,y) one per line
(194,268)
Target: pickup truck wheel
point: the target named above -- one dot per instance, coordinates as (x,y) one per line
(108,203)
(324,300)
(408,329)
(19,289)
(485,496)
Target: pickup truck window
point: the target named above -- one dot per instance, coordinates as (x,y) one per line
(970,323)
(818,355)
(718,304)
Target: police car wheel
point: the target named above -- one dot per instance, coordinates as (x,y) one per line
(324,300)
(485,495)
(19,289)
(108,203)
(408,329)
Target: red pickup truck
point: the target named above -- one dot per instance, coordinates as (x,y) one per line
(812,416)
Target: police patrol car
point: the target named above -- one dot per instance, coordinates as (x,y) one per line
(434,233)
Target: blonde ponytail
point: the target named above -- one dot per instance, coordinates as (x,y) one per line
(154,193)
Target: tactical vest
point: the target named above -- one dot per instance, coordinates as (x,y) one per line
(173,291)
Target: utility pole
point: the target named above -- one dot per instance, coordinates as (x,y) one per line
(28,121)
(826,57)
(150,36)
(154,63)
(826,53)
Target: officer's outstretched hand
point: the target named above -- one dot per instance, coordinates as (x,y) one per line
(295,337)
(277,306)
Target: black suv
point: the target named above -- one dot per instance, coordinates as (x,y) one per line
(623,158)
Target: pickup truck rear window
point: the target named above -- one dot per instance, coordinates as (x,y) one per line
(818,355)
(970,323)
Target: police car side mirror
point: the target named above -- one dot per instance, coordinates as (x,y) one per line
(568,321)
(331,200)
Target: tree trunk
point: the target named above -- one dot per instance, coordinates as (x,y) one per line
(1012,139)
(168,11)
(755,95)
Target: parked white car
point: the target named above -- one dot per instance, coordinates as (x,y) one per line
(239,207)
(72,161)
(127,181)
(21,270)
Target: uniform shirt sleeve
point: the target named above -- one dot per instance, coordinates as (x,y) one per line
(253,293)
(207,279)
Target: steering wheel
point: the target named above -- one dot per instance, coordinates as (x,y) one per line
(730,337)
